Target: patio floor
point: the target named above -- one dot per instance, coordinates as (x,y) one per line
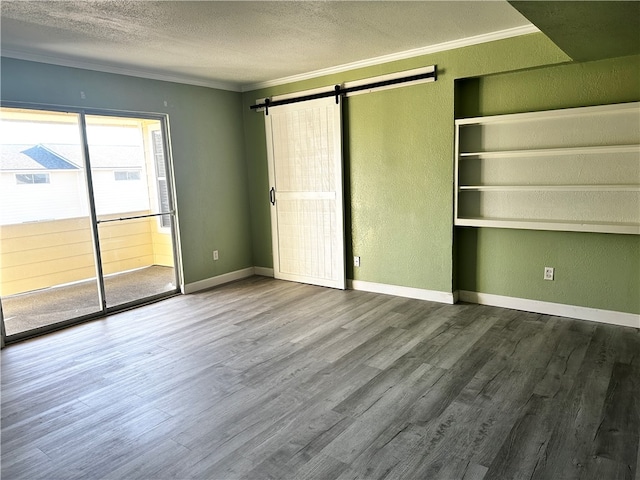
(52,305)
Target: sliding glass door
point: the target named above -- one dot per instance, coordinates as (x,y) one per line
(132,207)
(86,218)
(46,241)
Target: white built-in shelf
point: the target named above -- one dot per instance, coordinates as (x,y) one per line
(599,111)
(574,169)
(554,152)
(551,188)
(625,228)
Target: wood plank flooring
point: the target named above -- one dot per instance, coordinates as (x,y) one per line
(264,379)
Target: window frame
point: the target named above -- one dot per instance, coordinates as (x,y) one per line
(45,176)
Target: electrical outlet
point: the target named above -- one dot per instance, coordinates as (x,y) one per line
(548,273)
(215,255)
(356,261)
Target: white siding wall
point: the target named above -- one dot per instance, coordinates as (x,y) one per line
(119,196)
(65,196)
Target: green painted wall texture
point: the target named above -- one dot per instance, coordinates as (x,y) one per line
(592,270)
(398,149)
(207,146)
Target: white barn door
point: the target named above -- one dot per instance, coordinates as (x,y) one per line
(304,145)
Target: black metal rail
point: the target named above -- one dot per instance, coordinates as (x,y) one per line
(135,217)
(338,90)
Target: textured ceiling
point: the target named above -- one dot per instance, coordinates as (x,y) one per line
(238,43)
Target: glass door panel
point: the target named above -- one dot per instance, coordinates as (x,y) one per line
(132,202)
(47,261)
(132,261)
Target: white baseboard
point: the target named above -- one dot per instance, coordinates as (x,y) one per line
(548,308)
(399,291)
(218,280)
(263,271)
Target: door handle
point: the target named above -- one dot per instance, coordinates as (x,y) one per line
(272,196)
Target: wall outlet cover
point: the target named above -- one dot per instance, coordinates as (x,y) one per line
(548,273)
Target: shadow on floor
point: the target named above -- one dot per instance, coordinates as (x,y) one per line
(52,305)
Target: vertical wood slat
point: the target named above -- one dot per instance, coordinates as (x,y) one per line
(305,160)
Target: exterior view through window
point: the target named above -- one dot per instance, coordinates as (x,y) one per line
(85,226)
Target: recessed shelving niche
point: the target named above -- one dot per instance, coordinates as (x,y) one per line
(575,169)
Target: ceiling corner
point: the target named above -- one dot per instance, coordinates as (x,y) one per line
(587,31)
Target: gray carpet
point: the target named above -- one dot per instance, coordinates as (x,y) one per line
(51,305)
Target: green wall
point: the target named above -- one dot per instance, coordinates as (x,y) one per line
(593,270)
(398,149)
(207,145)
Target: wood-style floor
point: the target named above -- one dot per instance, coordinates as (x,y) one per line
(264,379)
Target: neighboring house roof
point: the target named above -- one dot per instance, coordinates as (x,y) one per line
(12,158)
(48,159)
(67,157)
(103,156)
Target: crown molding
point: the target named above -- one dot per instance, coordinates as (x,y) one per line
(415,52)
(99,67)
(237,87)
